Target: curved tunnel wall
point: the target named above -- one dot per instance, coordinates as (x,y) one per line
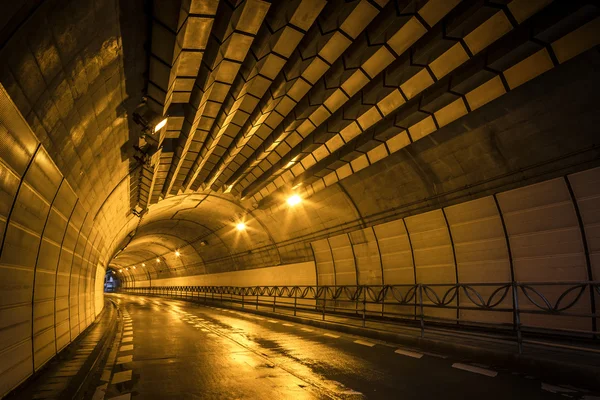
(49,255)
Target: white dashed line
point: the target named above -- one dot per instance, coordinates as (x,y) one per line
(124,359)
(556,389)
(331,335)
(128,333)
(364,343)
(273,321)
(121,377)
(126,396)
(205,330)
(408,353)
(127,347)
(127,339)
(476,370)
(307,330)
(287,325)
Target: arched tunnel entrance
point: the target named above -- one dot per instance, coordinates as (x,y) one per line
(300,186)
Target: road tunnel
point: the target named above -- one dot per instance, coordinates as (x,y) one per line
(410,173)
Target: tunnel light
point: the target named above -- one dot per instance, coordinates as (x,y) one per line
(294,200)
(126,269)
(134,267)
(240,226)
(160,125)
(143,265)
(120,270)
(177,253)
(158,260)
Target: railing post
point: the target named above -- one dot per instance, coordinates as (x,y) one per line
(325,301)
(422,310)
(242,299)
(295,301)
(517,316)
(364,316)
(257,300)
(274,300)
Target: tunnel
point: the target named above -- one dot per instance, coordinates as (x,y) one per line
(328,199)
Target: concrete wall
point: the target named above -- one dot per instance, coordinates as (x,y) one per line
(545,232)
(291,274)
(49,258)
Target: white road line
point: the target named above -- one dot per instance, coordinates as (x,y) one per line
(409,353)
(556,389)
(121,377)
(331,335)
(129,328)
(273,321)
(127,347)
(364,343)
(205,330)
(105,376)
(307,330)
(287,325)
(124,359)
(476,370)
(127,339)
(128,333)
(126,396)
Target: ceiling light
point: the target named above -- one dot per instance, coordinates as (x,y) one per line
(158,260)
(134,267)
(240,226)
(120,270)
(143,265)
(177,253)
(294,200)
(203,243)
(160,125)
(126,269)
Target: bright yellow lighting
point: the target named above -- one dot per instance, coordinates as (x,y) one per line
(177,253)
(294,200)
(120,270)
(158,260)
(143,265)
(134,267)
(126,269)
(160,125)
(241,226)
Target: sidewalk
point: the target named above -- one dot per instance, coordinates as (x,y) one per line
(66,376)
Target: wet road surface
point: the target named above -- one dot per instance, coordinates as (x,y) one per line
(180,350)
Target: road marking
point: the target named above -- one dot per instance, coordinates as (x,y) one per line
(205,330)
(128,329)
(273,321)
(409,353)
(126,396)
(556,389)
(127,339)
(128,333)
(332,335)
(307,330)
(121,377)
(287,325)
(127,347)
(476,370)
(105,376)
(124,359)
(364,343)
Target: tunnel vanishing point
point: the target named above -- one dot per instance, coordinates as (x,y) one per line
(299,199)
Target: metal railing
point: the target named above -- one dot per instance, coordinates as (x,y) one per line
(510,310)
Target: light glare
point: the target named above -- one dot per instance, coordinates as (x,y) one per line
(160,125)
(294,200)
(177,253)
(158,260)
(241,226)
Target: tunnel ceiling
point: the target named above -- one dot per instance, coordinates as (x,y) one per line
(264,99)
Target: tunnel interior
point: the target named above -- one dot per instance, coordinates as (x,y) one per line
(425,142)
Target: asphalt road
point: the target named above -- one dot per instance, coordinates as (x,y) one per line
(179,350)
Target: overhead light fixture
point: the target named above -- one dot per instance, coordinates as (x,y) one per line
(240,226)
(126,269)
(294,200)
(120,270)
(143,265)
(203,243)
(157,260)
(134,267)
(177,253)
(160,125)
